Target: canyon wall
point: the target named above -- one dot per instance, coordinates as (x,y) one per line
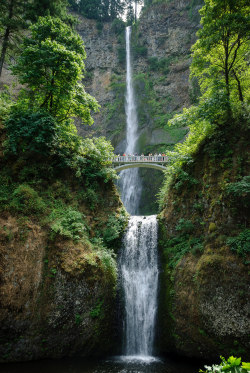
(204,245)
(161,43)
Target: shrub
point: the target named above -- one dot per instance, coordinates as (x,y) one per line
(5,103)
(177,247)
(161,64)
(108,262)
(114,226)
(26,200)
(241,243)
(184,226)
(29,131)
(183,178)
(121,55)
(91,197)
(240,191)
(231,365)
(96,312)
(68,223)
(118,26)
(140,51)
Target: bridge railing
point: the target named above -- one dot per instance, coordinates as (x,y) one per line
(140,158)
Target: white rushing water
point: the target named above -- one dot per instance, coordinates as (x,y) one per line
(139,281)
(129,182)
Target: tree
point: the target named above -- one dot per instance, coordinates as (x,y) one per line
(101,10)
(220,53)
(17,14)
(51,67)
(41,8)
(12,21)
(130,17)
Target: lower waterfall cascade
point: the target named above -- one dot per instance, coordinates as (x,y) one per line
(139,281)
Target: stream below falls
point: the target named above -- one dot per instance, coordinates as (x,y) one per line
(77,365)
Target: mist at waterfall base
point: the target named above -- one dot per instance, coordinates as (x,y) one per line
(78,365)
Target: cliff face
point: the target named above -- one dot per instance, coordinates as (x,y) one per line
(56,299)
(205,252)
(161,58)
(58,273)
(160,45)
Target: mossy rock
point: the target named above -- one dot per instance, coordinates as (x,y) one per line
(212,227)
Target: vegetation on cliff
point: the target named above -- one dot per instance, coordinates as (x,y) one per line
(41,147)
(60,212)
(220,65)
(205,199)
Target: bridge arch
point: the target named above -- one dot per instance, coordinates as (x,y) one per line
(134,165)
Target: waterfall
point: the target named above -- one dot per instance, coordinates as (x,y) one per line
(138,260)
(129,182)
(139,281)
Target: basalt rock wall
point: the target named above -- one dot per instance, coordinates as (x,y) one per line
(204,246)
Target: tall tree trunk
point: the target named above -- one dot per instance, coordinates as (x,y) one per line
(4,48)
(6,36)
(239,86)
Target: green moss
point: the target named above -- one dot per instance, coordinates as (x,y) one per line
(97,311)
(212,227)
(26,200)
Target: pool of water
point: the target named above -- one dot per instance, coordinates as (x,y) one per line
(113,365)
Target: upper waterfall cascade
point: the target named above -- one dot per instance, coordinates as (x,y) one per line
(129,182)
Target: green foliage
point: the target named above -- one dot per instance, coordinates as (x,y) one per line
(91,197)
(13,19)
(114,227)
(219,64)
(5,102)
(96,312)
(26,200)
(175,248)
(54,8)
(101,10)
(98,153)
(37,132)
(140,51)
(220,53)
(240,191)
(107,258)
(202,121)
(231,365)
(241,243)
(67,222)
(149,104)
(30,132)
(121,54)
(161,64)
(5,194)
(50,66)
(15,16)
(184,226)
(183,178)
(118,26)
(78,319)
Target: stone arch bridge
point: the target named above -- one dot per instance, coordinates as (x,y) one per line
(157,162)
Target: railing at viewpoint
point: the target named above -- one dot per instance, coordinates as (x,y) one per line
(140,159)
